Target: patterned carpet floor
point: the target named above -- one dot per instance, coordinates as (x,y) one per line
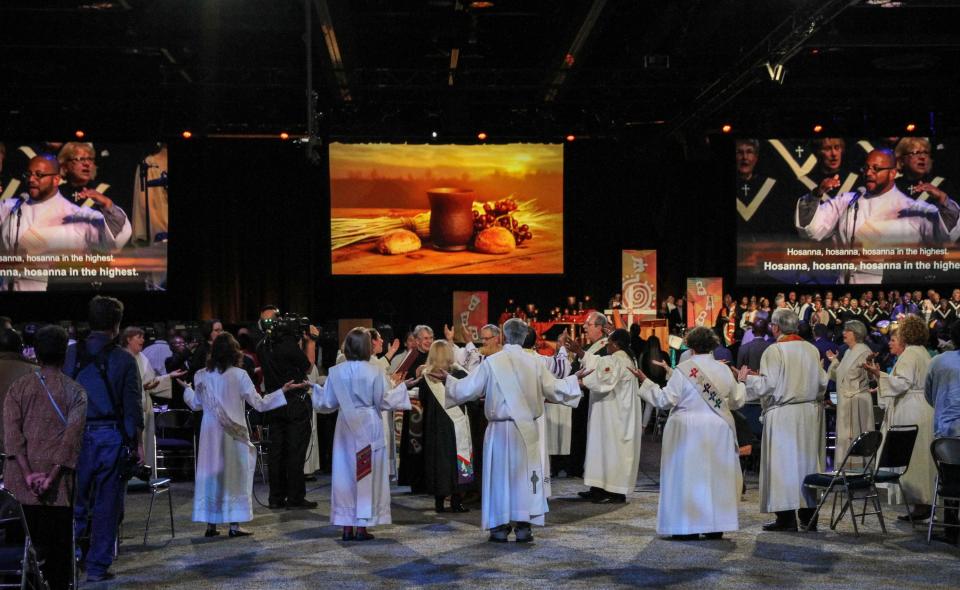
(583,546)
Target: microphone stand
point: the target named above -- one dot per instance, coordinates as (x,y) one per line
(853,231)
(146,197)
(16,238)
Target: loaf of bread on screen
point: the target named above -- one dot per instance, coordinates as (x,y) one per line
(398,241)
(495,240)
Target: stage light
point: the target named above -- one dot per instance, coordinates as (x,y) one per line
(727,128)
(911,127)
(187,134)
(433,134)
(571,137)
(482,136)
(284,136)
(777,72)
(817,128)
(79,133)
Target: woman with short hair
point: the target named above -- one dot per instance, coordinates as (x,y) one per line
(360,490)
(700,477)
(854,402)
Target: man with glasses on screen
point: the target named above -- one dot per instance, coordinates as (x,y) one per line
(876,215)
(42,222)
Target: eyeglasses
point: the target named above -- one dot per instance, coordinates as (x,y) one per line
(876,169)
(38,175)
(916,153)
(82,160)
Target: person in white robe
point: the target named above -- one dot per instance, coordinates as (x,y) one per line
(385,363)
(615,421)
(153,386)
(360,390)
(854,402)
(515,385)
(700,476)
(880,216)
(226,460)
(790,388)
(48,223)
(901,394)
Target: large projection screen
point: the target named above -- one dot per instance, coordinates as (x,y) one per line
(446,209)
(82,216)
(846,211)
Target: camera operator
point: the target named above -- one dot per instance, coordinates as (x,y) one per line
(287,353)
(110,439)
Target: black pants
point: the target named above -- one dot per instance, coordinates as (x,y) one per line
(289,438)
(51,528)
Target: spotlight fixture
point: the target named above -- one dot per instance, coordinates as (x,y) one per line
(187,134)
(482,136)
(727,128)
(911,127)
(777,72)
(79,133)
(433,134)
(817,128)
(570,138)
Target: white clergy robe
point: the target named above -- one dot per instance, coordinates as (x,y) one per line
(226,460)
(148,438)
(361,391)
(854,403)
(700,477)
(891,218)
(56,226)
(515,385)
(790,387)
(614,423)
(901,393)
(547,434)
(559,418)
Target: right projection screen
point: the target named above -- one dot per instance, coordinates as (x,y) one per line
(846,211)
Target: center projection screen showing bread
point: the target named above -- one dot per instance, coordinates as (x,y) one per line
(446,209)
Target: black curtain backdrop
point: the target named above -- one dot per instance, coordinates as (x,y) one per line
(250,225)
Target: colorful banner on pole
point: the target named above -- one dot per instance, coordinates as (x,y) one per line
(704,299)
(469,313)
(639,272)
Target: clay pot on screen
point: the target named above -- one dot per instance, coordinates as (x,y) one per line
(451,217)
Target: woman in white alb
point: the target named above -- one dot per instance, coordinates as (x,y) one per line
(360,494)
(226,460)
(700,477)
(854,403)
(901,393)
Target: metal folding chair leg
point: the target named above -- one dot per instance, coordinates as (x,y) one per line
(933,507)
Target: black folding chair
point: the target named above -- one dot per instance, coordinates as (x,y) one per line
(850,481)
(19,566)
(895,459)
(176,439)
(946,456)
(259,436)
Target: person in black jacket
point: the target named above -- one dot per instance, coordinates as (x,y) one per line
(286,355)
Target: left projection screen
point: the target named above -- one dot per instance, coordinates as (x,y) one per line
(446,209)
(80,216)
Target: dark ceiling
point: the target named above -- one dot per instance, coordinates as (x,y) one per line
(518,68)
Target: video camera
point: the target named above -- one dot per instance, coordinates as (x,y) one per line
(287,324)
